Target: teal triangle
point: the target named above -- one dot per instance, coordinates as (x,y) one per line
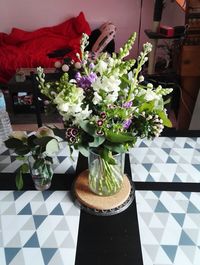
(187,146)
(61,158)
(150,178)
(26,210)
(47,254)
(186,194)
(179,217)
(57,210)
(170,250)
(160,208)
(32,242)
(170,161)
(197,166)
(147,166)
(46,194)
(10,253)
(157,193)
(6,153)
(176,179)
(192,208)
(143,144)
(38,219)
(17,194)
(167,150)
(13,158)
(185,240)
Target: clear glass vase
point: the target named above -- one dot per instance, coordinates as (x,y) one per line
(42,175)
(105,179)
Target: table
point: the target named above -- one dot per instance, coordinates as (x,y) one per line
(161,227)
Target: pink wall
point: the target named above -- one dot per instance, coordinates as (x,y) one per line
(30,15)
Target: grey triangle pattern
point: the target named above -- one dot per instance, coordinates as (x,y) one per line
(37,231)
(176,241)
(169,157)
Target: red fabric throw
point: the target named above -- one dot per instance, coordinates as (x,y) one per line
(29,49)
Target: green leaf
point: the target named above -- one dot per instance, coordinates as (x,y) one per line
(59,132)
(52,147)
(119,137)
(118,148)
(30,140)
(24,168)
(38,163)
(97,141)
(43,140)
(163,116)
(87,127)
(19,180)
(83,150)
(13,143)
(107,156)
(22,150)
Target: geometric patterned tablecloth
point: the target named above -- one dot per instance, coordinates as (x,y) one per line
(166,159)
(42,227)
(169,225)
(62,161)
(38,228)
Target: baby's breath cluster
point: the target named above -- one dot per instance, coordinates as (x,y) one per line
(105,102)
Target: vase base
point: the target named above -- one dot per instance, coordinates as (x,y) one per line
(102,205)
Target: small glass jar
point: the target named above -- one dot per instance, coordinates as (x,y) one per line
(41,175)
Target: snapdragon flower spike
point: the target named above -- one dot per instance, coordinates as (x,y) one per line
(85,81)
(127,123)
(127,104)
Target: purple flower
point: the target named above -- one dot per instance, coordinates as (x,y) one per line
(85,81)
(127,123)
(127,104)
(91,65)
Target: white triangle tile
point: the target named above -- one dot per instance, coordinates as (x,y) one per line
(2,257)
(67,254)
(47,227)
(60,236)
(50,242)
(181,258)
(146,217)
(189,221)
(4,193)
(12,167)
(25,236)
(195,199)
(196,257)
(147,260)
(171,235)
(4,206)
(32,254)
(155,222)
(163,217)
(158,233)
(15,242)
(193,234)
(73,223)
(145,234)
(8,230)
(161,257)
(152,251)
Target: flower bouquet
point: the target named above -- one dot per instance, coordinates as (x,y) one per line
(35,151)
(106,105)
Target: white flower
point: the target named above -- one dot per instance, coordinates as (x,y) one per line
(96,99)
(84,114)
(112,97)
(151,95)
(44,131)
(19,135)
(101,67)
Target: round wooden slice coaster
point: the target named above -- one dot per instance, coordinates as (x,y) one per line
(86,197)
